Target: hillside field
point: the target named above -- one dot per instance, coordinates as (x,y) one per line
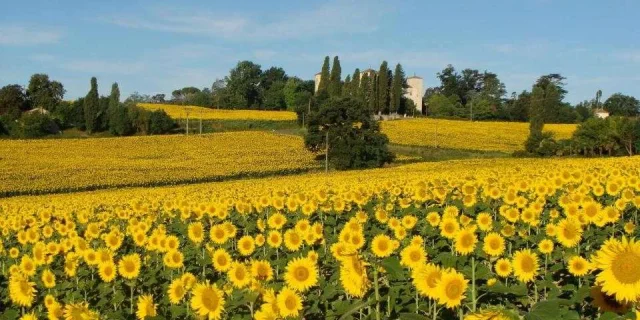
(43,166)
(466,135)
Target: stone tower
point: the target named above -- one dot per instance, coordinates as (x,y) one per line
(415,91)
(316,81)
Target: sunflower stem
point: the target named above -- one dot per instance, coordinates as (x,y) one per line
(473,284)
(377,288)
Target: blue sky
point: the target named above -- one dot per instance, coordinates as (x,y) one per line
(157,46)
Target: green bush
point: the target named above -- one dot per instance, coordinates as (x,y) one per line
(355,140)
(160,122)
(34,125)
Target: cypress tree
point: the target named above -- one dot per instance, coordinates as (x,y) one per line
(114,101)
(365,88)
(346,89)
(356,89)
(91,107)
(325,78)
(335,84)
(373,91)
(383,88)
(397,89)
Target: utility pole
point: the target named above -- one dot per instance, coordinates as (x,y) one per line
(187,122)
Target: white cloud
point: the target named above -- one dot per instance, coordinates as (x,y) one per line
(26,36)
(530,48)
(104,67)
(328,18)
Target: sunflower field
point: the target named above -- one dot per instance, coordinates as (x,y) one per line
(459,134)
(195,112)
(60,165)
(477,239)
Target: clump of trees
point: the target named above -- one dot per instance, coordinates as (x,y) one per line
(344,126)
(40,110)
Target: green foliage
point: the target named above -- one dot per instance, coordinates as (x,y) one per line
(243,90)
(442,106)
(619,104)
(92,107)
(397,90)
(34,125)
(160,122)
(325,78)
(335,82)
(356,84)
(13,101)
(383,83)
(44,93)
(274,98)
(355,140)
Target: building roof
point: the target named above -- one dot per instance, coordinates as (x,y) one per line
(319,73)
(368,70)
(414,77)
(600,110)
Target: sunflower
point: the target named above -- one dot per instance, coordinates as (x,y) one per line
(451,288)
(503,268)
(382,246)
(29,316)
(484,221)
(129,266)
(221,260)
(79,311)
(208,301)
(353,276)
(48,279)
(578,266)
(188,279)
(261,270)
(21,291)
(246,245)
(491,313)
(218,234)
(176,291)
(301,274)
(239,275)
(607,303)
(569,232)
(292,240)
(619,262)
(274,239)
(425,278)
(276,221)
(545,246)
(433,218)
(173,259)
(525,265)
(449,227)
(145,306)
(413,256)
(196,232)
(27,266)
(289,303)
(493,244)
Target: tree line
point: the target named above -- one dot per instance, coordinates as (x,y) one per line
(40,110)
(382,91)
(471,94)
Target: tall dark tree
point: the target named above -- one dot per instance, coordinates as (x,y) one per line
(355,140)
(383,88)
(325,78)
(346,88)
(114,98)
(271,76)
(92,107)
(397,88)
(13,101)
(356,84)
(44,93)
(335,83)
(619,104)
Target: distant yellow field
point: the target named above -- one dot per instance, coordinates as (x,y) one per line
(457,134)
(40,166)
(194,112)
